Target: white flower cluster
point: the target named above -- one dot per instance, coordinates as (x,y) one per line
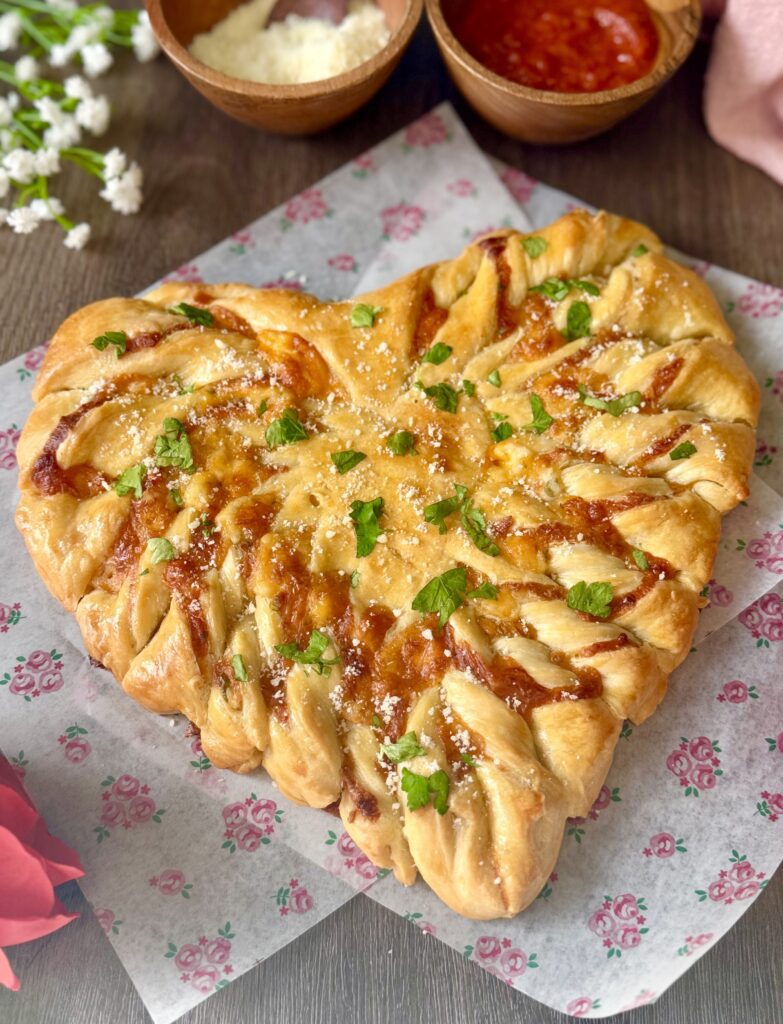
(123,183)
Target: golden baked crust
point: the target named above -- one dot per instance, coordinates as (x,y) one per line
(576,555)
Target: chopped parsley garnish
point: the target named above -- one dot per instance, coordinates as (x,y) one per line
(556,288)
(585,286)
(345,461)
(404,749)
(640,250)
(473,521)
(438,511)
(195,314)
(355,577)
(172,447)
(467,759)
(131,480)
(593,598)
(401,443)
(614,406)
(484,592)
(494,378)
(238,665)
(421,787)
(263,405)
(161,550)
(181,388)
(578,321)
(541,421)
(682,451)
(438,354)
(376,721)
(117,338)
(443,395)
(363,315)
(641,559)
(311,655)
(502,432)
(176,497)
(366,522)
(469,388)
(443,595)
(287,430)
(534,246)
(208,526)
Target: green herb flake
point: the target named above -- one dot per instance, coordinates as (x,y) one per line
(355,577)
(469,388)
(311,655)
(585,286)
(541,421)
(238,665)
(287,430)
(345,461)
(443,395)
(363,315)
(466,758)
(502,432)
(366,519)
(640,250)
(592,598)
(207,525)
(172,447)
(475,525)
(438,511)
(438,354)
(196,315)
(420,788)
(117,338)
(176,497)
(376,722)
(443,595)
(553,287)
(404,749)
(161,550)
(181,388)
(263,405)
(535,246)
(131,481)
(682,451)
(144,572)
(484,592)
(578,321)
(401,443)
(494,378)
(614,406)
(641,559)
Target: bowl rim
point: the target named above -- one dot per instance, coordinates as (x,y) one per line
(681,50)
(190,65)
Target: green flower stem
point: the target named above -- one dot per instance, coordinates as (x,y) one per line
(22,129)
(32,30)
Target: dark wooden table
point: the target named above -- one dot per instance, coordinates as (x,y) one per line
(206,177)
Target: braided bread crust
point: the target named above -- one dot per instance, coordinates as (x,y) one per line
(575,400)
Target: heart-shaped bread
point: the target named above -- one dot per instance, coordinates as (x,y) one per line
(418,554)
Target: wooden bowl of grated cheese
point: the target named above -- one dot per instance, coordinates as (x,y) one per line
(297,108)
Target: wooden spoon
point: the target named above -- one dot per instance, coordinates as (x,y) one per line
(326,10)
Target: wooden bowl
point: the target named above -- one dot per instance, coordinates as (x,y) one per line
(285,109)
(537,115)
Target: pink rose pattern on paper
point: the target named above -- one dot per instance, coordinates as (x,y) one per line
(770,806)
(760,300)
(547,891)
(737,692)
(10,614)
(242,242)
(520,185)
(766,552)
(401,222)
(696,764)
(764,454)
(351,861)
(719,595)
(343,261)
(125,802)
(19,764)
(462,187)
(40,673)
(775,743)
(293,899)
(694,942)
(204,965)
(201,763)
(172,882)
(76,747)
(642,999)
(619,923)
(427,131)
(500,957)
(187,272)
(740,882)
(764,619)
(582,1006)
(291,283)
(108,921)
(250,824)
(308,206)
(606,796)
(363,166)
(32,361)
(417,918)
(8,440)
(664,845)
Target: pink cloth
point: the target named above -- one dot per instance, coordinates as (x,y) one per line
(743,99)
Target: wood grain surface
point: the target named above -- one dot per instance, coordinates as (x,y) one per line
(206,177)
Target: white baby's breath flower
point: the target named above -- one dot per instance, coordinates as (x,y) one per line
(6,140)
(50,111)
(26,69)
(60,54)
(47,209)
(6,112)
(103,16)
(114,163)
(94,114)
(61,136)
(23,220)
(145,45)
(77,237)
(5,183)
(20,164)
(96,59)
(10,30)
(77,88)
(47,161)
(124,193)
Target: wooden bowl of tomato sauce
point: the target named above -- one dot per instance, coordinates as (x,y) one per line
(552,71)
